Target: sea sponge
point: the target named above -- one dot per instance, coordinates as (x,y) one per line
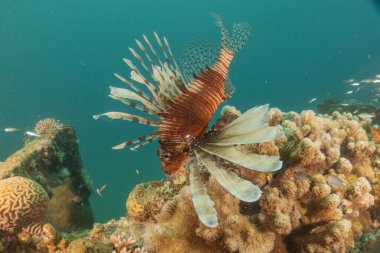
(23,204)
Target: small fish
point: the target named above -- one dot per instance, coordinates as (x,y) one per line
(334,180)
(354,84)
(378,76)
(312,100)
(375,134)
(356,111)
(120,146)
(11,129)
(348,80)
(76,200)
(33,134)
(368,80)
(358,89)
(349,92)
(298,174)
(345,104)
(366,115)
(301,177)
(138,173)
(299,170)
(100,190)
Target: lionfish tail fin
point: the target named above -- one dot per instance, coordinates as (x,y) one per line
(241,32)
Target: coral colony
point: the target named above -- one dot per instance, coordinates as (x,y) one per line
(261,181)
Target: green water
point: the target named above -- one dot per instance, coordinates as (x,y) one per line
(57,59)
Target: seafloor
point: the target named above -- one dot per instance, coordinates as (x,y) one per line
(324,199)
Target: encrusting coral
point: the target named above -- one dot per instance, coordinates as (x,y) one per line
(322,199)
(325,197)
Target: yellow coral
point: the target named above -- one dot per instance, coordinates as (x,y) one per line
(23,204)
(134,208)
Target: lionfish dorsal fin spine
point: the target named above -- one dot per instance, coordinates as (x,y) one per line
(138,91)
(134,105)
(142,139)
(129,117)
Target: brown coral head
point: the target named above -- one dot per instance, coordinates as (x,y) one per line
(23,202)
(172,162)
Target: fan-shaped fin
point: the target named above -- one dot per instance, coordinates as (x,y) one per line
(250,161)
(241,32)
(197,56)
(263,134)
(249,120)
(203,204)
(240,188)
(251,127)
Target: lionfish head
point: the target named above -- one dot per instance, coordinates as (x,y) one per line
(172,162)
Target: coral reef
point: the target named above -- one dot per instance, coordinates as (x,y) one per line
(350,106)
(325,197)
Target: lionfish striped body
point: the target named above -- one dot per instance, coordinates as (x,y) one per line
(185,106)
(187,120)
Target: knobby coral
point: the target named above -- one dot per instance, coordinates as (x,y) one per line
(320,201)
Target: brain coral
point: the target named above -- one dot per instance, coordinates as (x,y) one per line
(23,203)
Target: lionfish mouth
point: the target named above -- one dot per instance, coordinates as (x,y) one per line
(181,102)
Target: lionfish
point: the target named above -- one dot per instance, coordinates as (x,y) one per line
(183,105)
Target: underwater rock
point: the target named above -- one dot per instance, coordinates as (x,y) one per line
(58,191)
(53,160)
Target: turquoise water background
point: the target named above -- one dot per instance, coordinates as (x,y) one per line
(57,59)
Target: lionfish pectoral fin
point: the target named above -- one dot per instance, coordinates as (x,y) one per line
(238,187)
(250,128)
(203,204)
(250,119)
(263,163)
